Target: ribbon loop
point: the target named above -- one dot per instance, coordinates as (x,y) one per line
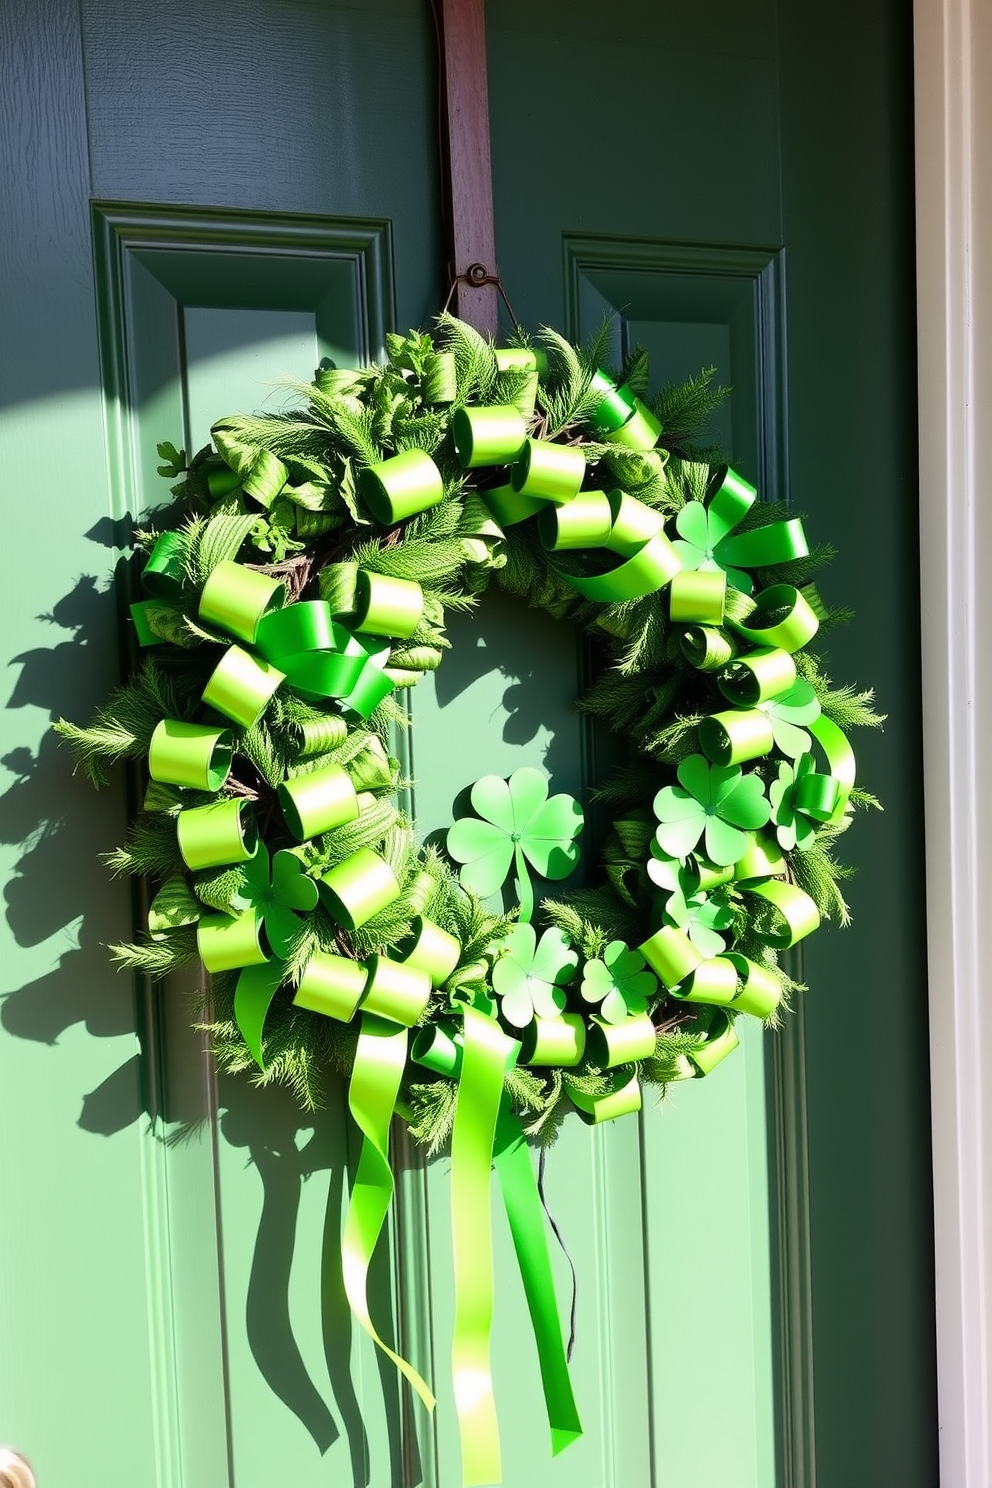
(358,888)
(401,487)
(190,754)
(236,598)
(221,832)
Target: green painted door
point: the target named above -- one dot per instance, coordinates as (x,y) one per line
(204,198)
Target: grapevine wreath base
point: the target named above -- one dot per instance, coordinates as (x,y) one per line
(298,584)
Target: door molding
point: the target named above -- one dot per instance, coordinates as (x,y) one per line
(953,56)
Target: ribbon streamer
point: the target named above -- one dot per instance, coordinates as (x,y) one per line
(479,1093)
(524,1212)
(375,1083)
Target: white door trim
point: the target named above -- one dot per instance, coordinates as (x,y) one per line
(953,49)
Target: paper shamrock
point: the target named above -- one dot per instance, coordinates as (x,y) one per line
(701,917)
(786,712)
(717,803)
(519,825)
(529,975)
(701,529)
(793,827)
(277,890)
(619,981)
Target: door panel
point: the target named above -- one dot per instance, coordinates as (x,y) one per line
(753,1264)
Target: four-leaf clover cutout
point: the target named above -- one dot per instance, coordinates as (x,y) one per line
(717,803)
(277,891)
(619,981)
(529,975)
(519,825)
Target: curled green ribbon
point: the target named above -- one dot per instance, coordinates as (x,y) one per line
(554,472)
(651,568)
(721,1040)
(782,616)
(162,576)
(221,832)
(525,1214)
(190,754)
(359,887)
(331,985)
(236,598)
(488,436)
(794,914)
(477,1107)
(401,487)
(840,757)
(623,1100)
(375,1082)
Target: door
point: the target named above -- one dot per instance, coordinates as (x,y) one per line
(204,198)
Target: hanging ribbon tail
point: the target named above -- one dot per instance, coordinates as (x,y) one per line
(526,1216)
(375,1083)
(479,1091)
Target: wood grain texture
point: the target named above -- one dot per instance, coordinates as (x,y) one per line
(470,184)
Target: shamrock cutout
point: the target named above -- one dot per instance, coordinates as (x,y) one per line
(519,825)
(619,981)
(701,918)
(793,827)
(701,530)
(786,712)
(716,802)
(277,891)
(529,975)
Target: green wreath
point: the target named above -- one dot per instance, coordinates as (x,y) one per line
(296,587)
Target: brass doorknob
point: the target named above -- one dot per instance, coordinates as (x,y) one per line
(14,1471)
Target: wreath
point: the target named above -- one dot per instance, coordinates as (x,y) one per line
(294,590)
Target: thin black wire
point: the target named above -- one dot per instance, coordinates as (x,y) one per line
(564,1250)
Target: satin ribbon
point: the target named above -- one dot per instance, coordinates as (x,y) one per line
(840,756)
(375,1082)
(476,1109)
(721,1040)
(707,540)
(401,487)
(624,1099)
(620,417)
(525,1214)
(651,560)
(301,644)
(162,578)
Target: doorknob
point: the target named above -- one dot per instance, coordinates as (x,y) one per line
(14,1471)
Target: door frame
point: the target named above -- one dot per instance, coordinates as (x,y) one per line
(953,57)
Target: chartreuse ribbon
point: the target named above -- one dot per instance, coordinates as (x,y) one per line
(301,644)
(525,1214)
(477,1107)
(620,417)
(375,1082)
(401,487)
(635,535)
